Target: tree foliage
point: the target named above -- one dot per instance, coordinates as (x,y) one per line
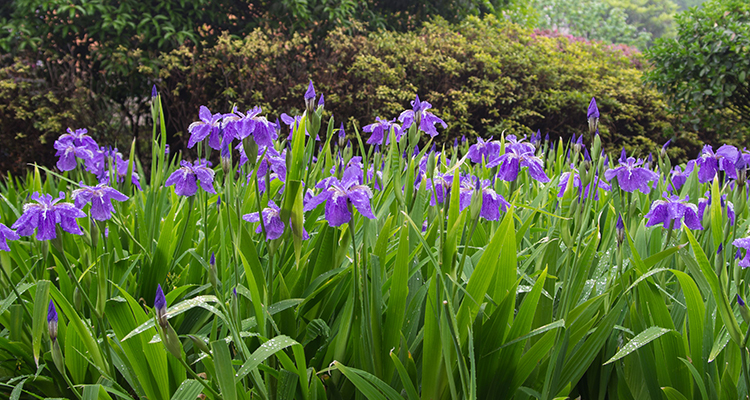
(591,19)
(652,16)
(704,71)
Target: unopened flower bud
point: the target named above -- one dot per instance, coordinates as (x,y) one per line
(342,135)
(743,309)
(52,321)
(251,150)
(620,230)
(212,273)
(172,341)
(160,307)
(199,343)
(593,116)
(663,152)
(310,98)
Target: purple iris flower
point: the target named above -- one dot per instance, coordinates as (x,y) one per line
(673,209)
(577,184)
(371,178)
(79,137)
(664,148)
(273,161)
(5,234)
(209,124)
(100,197)
(342,135)
(244,125)
(45,215)
(442,186)
(184,178)
(620,230)
(704,202)
(425,120)
(488,150)
(723,160)
(68,152)
(743,243)
(382,127)
(272,222)
(492,202)
(121,168)
(518,145)
(630,176)
(743,161)
(679,177)
(340,195)
(515,158)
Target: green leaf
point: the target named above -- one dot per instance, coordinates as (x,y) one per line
(190,389)
(224,370)
(640,340)
(265,350)
(482,276)
(39,323)
(372,387)
(725,309)
(672,394)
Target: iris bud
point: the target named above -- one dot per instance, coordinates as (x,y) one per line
(160,307)
(620,230)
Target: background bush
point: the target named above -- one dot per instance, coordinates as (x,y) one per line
(483,77)
(704,71)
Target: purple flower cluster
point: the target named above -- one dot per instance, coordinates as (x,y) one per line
(340,196)
(271,221)
(672,212)
(44,216)
(630,175)
(188,174)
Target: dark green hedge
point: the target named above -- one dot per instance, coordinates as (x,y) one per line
(483,77)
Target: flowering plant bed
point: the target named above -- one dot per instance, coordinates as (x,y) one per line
(316,263)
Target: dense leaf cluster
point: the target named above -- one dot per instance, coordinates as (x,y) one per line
(485,76)
(704,71)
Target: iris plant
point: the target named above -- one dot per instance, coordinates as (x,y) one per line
(185,178)
(100,197)
(5,234)
(424,119)
(517,156)
(492,202)
(271,221)
(339,196)
(45,214)
(631,176)
(382,127)
(672,211)
(208,126)
(710,163)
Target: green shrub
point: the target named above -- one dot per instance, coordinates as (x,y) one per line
(483,77)
(704,71)
(33,113)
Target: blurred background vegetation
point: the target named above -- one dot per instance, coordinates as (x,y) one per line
(659,68)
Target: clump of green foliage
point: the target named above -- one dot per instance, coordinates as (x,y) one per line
(484,75)
(704,72)
(32,112)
